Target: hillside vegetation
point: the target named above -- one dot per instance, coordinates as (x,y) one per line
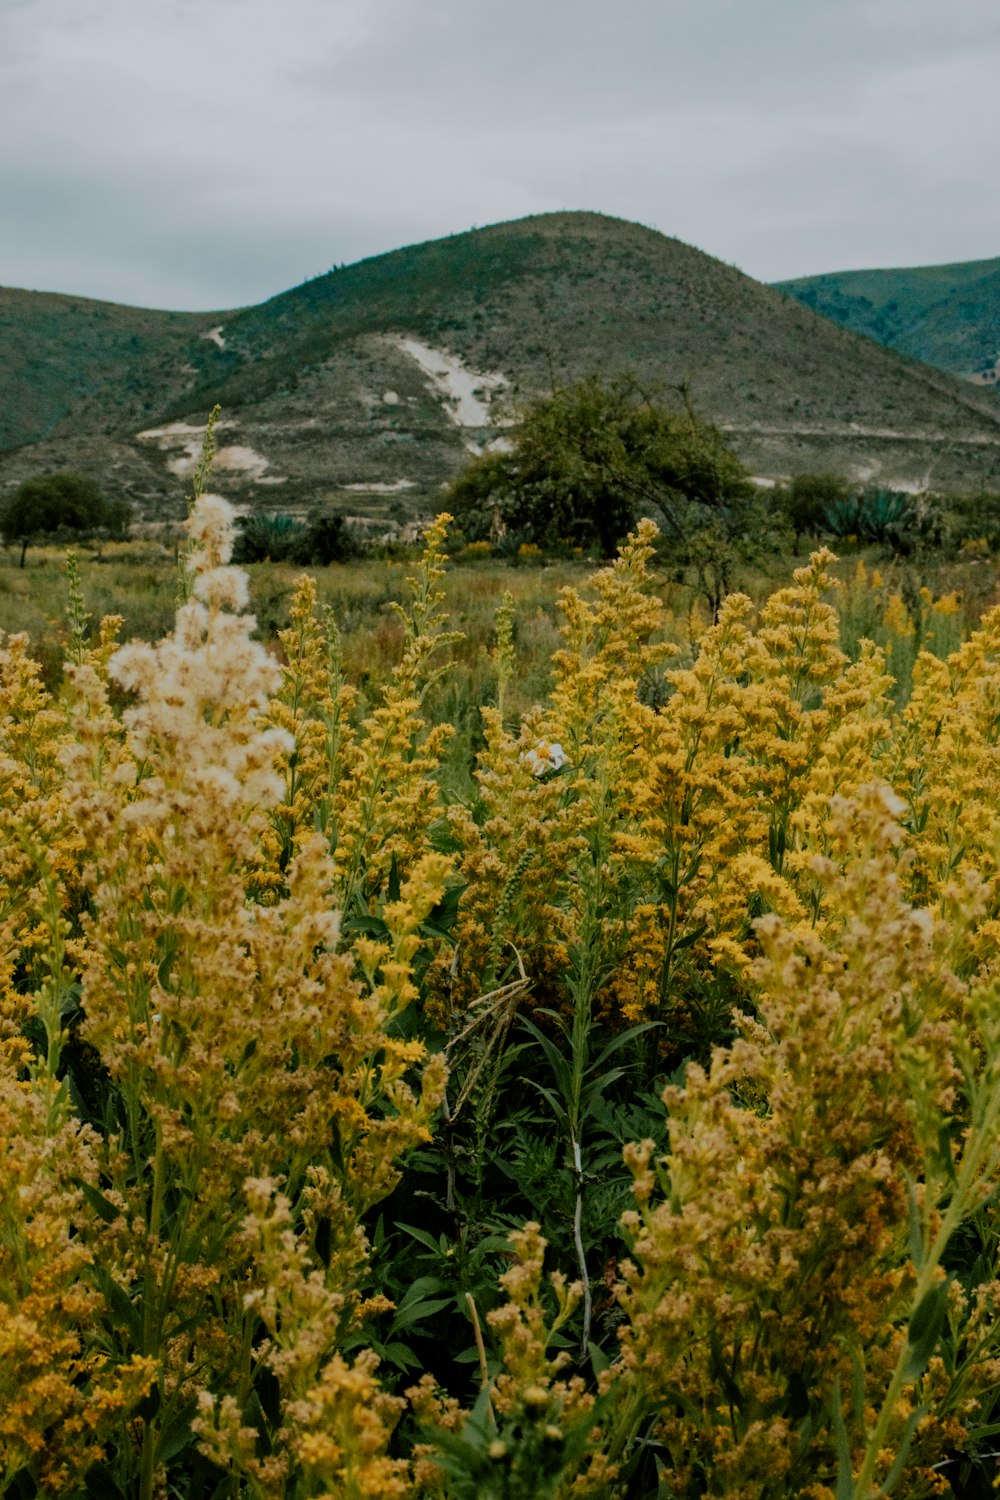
(319,392)
(947,316)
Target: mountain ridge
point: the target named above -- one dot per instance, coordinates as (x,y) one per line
(324,401)
(945,315)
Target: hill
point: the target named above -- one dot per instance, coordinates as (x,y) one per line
(367,385)
(947,316)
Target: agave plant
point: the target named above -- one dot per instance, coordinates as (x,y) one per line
(263,537)
(876,515)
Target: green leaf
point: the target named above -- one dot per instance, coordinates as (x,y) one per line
(417,1312)
(916,1223)
(468,1356)
(984,1432)
(690,938)
(101,1484)
(21,1486)
(176,1434)
(599,1361)
(150,1403)
(69,1005)
(845,1477)
(101,1206)
(893,1477)
(858,1388)
(441,921)
(164,969)
(552,1099)
(925,1329)
(947,1155)
(556,1061)
(373,927)
(422,1236)
(126,1313)
(419,1288)
(617,1042)
(489,1244)
(400,1355)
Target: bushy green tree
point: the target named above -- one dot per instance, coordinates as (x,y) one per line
(584,462)
(66,501)
(809,497)
(323,539)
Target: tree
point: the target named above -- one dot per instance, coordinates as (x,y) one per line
(585,461)
(60,502)
(808,499)
(328,540)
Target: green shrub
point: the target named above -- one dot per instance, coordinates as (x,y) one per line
(808,498)
(323,539)
(52,503)
(888,517)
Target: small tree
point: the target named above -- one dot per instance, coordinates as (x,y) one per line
(808,499)
(586,460)
(59,502)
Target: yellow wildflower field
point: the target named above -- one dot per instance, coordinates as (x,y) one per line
(623,1121)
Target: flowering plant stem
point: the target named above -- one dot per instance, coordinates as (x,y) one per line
(980,1158)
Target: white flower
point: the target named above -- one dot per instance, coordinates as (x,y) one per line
(200,692)
(891,801)
(224,587)
(547,755)
(211,526)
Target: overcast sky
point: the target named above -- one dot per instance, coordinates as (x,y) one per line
(210,153)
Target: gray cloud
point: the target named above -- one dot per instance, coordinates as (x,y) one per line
(206,153)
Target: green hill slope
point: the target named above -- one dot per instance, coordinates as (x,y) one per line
(70,363)
(367,385)
(948,316)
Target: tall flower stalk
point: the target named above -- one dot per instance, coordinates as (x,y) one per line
(239,1045)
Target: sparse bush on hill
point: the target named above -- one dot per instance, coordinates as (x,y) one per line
(54,503)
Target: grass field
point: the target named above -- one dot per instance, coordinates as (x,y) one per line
(137,581)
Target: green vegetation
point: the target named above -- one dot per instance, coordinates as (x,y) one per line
(303,377)
(807,500)
(322,540)
(898,520)
(60,502)
(586,460)
(134,579)
(622,1122)
(827,505)
(944,315)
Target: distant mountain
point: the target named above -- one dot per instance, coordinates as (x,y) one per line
(367,386)
(947,316)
